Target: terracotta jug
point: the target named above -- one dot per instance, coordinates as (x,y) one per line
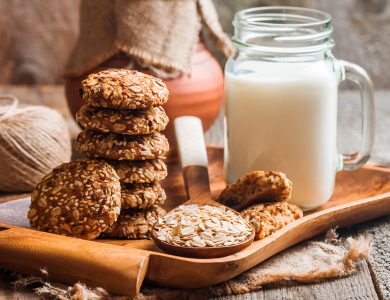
(199,93)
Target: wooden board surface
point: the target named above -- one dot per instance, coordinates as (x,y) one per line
(350,204)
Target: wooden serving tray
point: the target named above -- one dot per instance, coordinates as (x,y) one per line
(359,196)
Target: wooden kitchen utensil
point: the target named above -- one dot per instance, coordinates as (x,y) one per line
(193,157)
(359,196)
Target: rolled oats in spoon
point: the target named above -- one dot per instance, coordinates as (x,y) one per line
(202,226)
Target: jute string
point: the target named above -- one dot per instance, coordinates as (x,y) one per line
(33,140)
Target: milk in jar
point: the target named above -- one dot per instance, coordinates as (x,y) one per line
(282,117)
(281,101)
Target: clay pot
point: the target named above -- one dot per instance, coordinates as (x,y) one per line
(198,94)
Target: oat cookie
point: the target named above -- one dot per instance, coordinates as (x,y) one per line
(122,147)
(135,224)
(125,89)
(257,187)
(132,122)
(79,199)
(141,196)
(140,171)
(266,218)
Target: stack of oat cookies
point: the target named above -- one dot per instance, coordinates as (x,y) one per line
(121,123)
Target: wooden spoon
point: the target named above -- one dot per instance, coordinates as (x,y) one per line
(193,157)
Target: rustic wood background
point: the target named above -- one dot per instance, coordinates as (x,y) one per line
(38,35)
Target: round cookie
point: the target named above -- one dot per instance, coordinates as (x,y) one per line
(256,187)
(141,196)
(135,224)
(80,199)
(124,89)
(140,171)
(131,122)
(122,147)
(267,218)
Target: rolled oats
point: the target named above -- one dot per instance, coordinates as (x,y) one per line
(131,122)
(256,187)
(267,218)
(202,226)
(66,201)
(125,89)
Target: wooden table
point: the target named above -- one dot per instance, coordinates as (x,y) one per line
(372,279)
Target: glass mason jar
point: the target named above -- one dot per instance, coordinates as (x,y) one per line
(281,101)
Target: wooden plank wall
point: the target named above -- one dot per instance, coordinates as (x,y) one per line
(37,35)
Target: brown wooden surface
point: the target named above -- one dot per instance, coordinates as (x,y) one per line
(357,286)
(372,279)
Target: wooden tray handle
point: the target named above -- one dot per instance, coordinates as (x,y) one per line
(69,260)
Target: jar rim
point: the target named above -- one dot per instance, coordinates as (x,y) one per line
(283,29)
(309,17)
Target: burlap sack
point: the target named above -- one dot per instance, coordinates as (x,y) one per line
(160,34)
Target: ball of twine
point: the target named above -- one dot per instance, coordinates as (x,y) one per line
(33,140)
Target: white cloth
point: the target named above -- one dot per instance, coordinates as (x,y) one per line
(15,212)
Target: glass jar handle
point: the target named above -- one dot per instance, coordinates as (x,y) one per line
(359,76)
